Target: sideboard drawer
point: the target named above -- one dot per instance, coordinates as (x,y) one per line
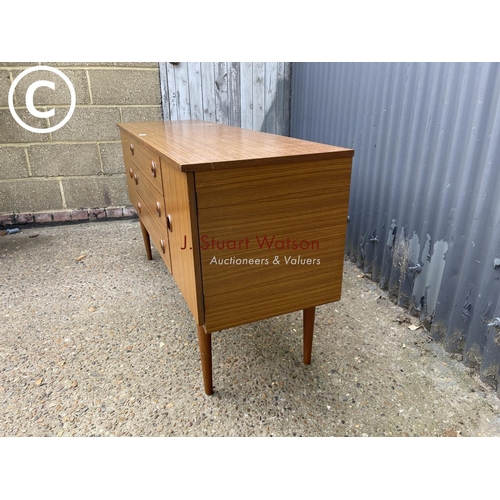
(149,164)
(156,233)
(131,176)
(153,200)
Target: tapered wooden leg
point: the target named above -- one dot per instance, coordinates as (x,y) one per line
(308,333)
(205,343)
(147,243)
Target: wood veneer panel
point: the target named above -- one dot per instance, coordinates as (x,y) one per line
(157,234)
(240,208)
(152,198)
(179,201)
(135,151)
(205,146)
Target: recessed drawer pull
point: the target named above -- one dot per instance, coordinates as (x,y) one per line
(162,244)
(136,179)
(158,209)
(169,222)
(131,173)
(153,168)
(139,207)
(132,148)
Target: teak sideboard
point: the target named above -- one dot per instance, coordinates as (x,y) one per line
(250,225)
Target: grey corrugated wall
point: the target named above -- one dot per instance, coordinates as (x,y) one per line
(425,197)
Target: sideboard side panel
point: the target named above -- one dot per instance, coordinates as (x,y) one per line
(238,208)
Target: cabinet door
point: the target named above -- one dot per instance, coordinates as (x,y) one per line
(180,205)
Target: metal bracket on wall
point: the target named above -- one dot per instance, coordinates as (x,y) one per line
(417,268)
(495,322)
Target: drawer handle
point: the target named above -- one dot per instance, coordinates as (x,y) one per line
(162,244)
(131,172)
(136,179)
(139,207)
(169,222)
(158,209)
(132,148)
(153,168)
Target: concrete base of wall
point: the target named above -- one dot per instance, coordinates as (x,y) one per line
(66,216)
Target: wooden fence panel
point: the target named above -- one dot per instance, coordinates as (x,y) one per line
(252,95)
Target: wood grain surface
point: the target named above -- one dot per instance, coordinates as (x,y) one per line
(270,215)
(180,207)
(205,146)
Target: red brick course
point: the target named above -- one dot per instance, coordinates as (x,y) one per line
(67,216)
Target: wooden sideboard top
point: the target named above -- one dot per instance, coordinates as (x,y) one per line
(195,145)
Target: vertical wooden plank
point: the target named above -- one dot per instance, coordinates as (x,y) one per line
(246,75)
(220,82)
(195,91)
(208,91)
(280,103)
(234,94)
(172,91)
(258,96)
(287,98)
(271,75)
(182,87)
(164,91)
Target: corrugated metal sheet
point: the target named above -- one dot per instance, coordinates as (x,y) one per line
(251,95)
(424,206)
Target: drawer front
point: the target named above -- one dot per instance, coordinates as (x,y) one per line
(127,147)
(149,164)
(144,158)
(171,232)
(155,225)
(156,234)
(153,200)
(130,172)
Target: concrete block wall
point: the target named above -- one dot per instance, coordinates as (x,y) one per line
(78,168)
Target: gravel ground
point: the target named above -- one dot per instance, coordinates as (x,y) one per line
(97,341)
